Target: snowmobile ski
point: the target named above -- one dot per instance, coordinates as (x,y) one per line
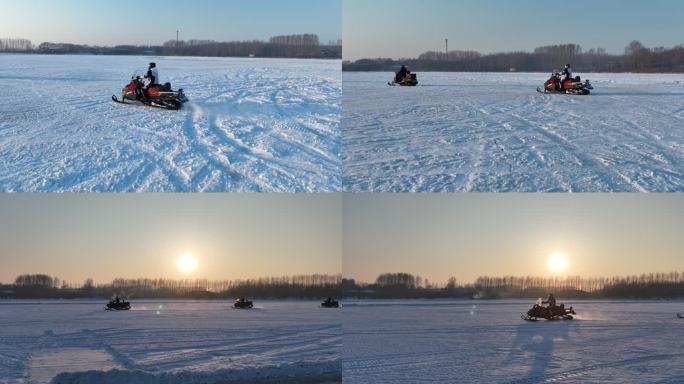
(162,104)
(562,93)
(116,100)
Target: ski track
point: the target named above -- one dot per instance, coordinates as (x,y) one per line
(251,125)
(486,341)
(484,132)
(185,340)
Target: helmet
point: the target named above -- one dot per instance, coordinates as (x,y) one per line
(153,65)
(567,66)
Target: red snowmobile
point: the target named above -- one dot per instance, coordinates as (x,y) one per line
(157,96)
(558,312)
(573,86)
(410,80)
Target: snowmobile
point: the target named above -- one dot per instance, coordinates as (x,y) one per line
(243,303)
(118,305)
(569,86)
(158,96)
(410,80)
(330,303)
(558,312)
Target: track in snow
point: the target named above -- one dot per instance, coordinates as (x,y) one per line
(407,341)
(167,342)
(485,132)
(251,125)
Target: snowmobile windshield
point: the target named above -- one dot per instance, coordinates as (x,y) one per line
(139,72)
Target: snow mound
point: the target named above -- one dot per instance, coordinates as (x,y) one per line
(301,372)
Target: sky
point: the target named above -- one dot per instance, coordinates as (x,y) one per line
(232,236)
(156,21)
(407,28)
(470,235)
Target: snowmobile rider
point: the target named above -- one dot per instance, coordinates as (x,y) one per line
(551,301)
(567,73)
(152,75)
(401,74)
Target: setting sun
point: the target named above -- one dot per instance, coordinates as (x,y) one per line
(187,263)
(557,263)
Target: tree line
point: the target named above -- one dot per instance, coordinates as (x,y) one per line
(635,58)
(305,46)
(15,45)
(404,285)
(297,287)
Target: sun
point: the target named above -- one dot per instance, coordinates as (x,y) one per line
(557,263)
(187,263)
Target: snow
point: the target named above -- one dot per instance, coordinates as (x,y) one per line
(169,342)
(489,132)
(409,341)
(252,125)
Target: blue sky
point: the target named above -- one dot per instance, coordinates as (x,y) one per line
(127,21)
(406,28)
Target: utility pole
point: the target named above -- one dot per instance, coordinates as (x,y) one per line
(446,51)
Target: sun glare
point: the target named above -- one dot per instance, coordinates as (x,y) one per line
(187,263)
(557,263)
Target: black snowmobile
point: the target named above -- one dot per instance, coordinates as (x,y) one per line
(117,304)
(574,86)
(157,96)
(558,312)
(243,303)
(330,303)
(410,80)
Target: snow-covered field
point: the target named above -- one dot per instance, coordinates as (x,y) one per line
(487,342)
(251,125)
(493,132)
(170,342)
